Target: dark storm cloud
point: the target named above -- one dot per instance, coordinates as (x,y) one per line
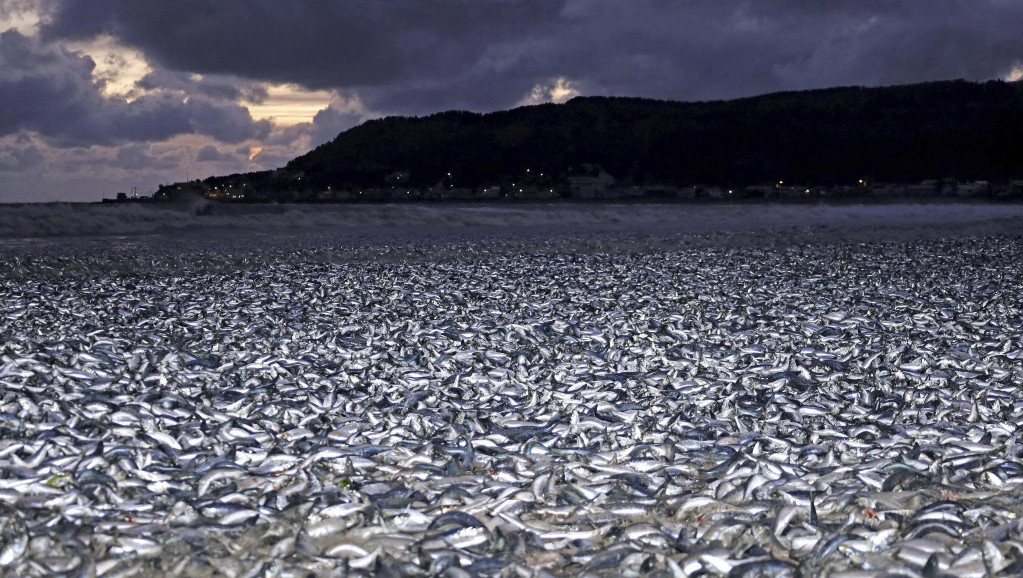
(430,55)
(434,52)
(898,42)
(228,88)
(330,121)
(316,44)
(702,50)
(50,90)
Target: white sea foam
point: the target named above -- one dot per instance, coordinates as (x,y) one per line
(63,220)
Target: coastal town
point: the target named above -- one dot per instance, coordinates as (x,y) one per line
(587,183)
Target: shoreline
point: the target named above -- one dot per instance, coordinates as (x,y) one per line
(161,242)
(817,200)
(112,220)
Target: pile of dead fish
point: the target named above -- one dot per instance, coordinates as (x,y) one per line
(844,410)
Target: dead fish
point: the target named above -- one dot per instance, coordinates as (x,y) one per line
(734,410)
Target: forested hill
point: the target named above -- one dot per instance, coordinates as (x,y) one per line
(899,134)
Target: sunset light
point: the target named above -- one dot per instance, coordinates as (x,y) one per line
(1015,74)
(289,104)
(118,68)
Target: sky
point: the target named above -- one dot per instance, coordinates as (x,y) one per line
(106,96)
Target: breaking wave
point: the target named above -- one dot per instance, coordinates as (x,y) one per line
(879,221)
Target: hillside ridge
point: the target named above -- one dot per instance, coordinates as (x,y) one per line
(958,130)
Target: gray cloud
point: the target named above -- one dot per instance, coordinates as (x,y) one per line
(211,154)
(49,90)
(331,121)
(424,56)
(316,44)
(218,87)
(138,156)
(20,157)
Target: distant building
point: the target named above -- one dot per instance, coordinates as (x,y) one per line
(591,182)
(762,191)
(491,192)
(795,191)
(1015,189)
(714,192)
(925,188)
(182,191)
(974,189)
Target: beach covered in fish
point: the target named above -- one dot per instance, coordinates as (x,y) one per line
(772,391)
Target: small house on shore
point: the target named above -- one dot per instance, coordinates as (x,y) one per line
(590,182)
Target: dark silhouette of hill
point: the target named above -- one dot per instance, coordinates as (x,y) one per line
(902,134)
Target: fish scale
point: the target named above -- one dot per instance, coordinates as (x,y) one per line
(724,410)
